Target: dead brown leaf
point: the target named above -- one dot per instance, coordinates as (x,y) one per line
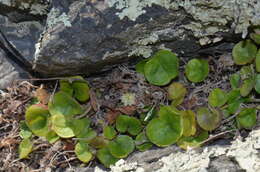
(111,116)
(42,95)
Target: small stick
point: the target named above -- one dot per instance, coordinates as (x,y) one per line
(217,135)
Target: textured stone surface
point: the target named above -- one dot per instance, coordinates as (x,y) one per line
(9,71)
(22,35)
(83,37)
(240,156)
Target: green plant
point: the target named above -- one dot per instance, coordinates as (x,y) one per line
(82,152)
(197,70)
(121,146)
(217,97)
(161,68)
(208,120)
(128,124)
(246,118)
(165,125)
(165,129)
(244,52)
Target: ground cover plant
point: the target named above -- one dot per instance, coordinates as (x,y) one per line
(70,111)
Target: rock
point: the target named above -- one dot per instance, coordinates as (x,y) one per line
(86,37)
(24,10)
(9,71)
(237,157)
(21,37)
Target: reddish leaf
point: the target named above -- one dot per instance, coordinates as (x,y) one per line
(111,116)
(68,146)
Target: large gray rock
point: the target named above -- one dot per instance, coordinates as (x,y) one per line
(91,36)
(9,71)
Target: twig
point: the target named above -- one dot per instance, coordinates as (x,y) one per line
(216,136)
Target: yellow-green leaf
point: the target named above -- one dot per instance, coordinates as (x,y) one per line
(25,148)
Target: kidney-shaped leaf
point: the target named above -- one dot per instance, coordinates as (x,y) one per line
(81,89)
(244,52)
(36,118)
(82,152)
(122,146)
(197,70)
(128,124)
(166,129)
(217,97)
(176,90)
(246,118)
(208,120)
(25,148)
(105,157)
(61,126)
(162,68)
(63,104)
(109,132)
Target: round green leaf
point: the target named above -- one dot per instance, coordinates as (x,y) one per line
(109,132)
(197,70)
(257,61)
(142,143)
(235,80)
(66,87)
(122,146)
(128,124)
(189,123)
(82,152)
(162,68)
(81,89)
(246,118)
(63,104)
(244,52)
(247,87)
(257,83)
(255,37)
(208,120)
(25,132)
(166,129)
(80,125)
(176,90)
(192,142)
(139,67)
(217,98)
(177,102)
(36,118)
(105,157)
(61,126)
(25,148)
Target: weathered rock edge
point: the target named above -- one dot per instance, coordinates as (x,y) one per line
(86,37)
